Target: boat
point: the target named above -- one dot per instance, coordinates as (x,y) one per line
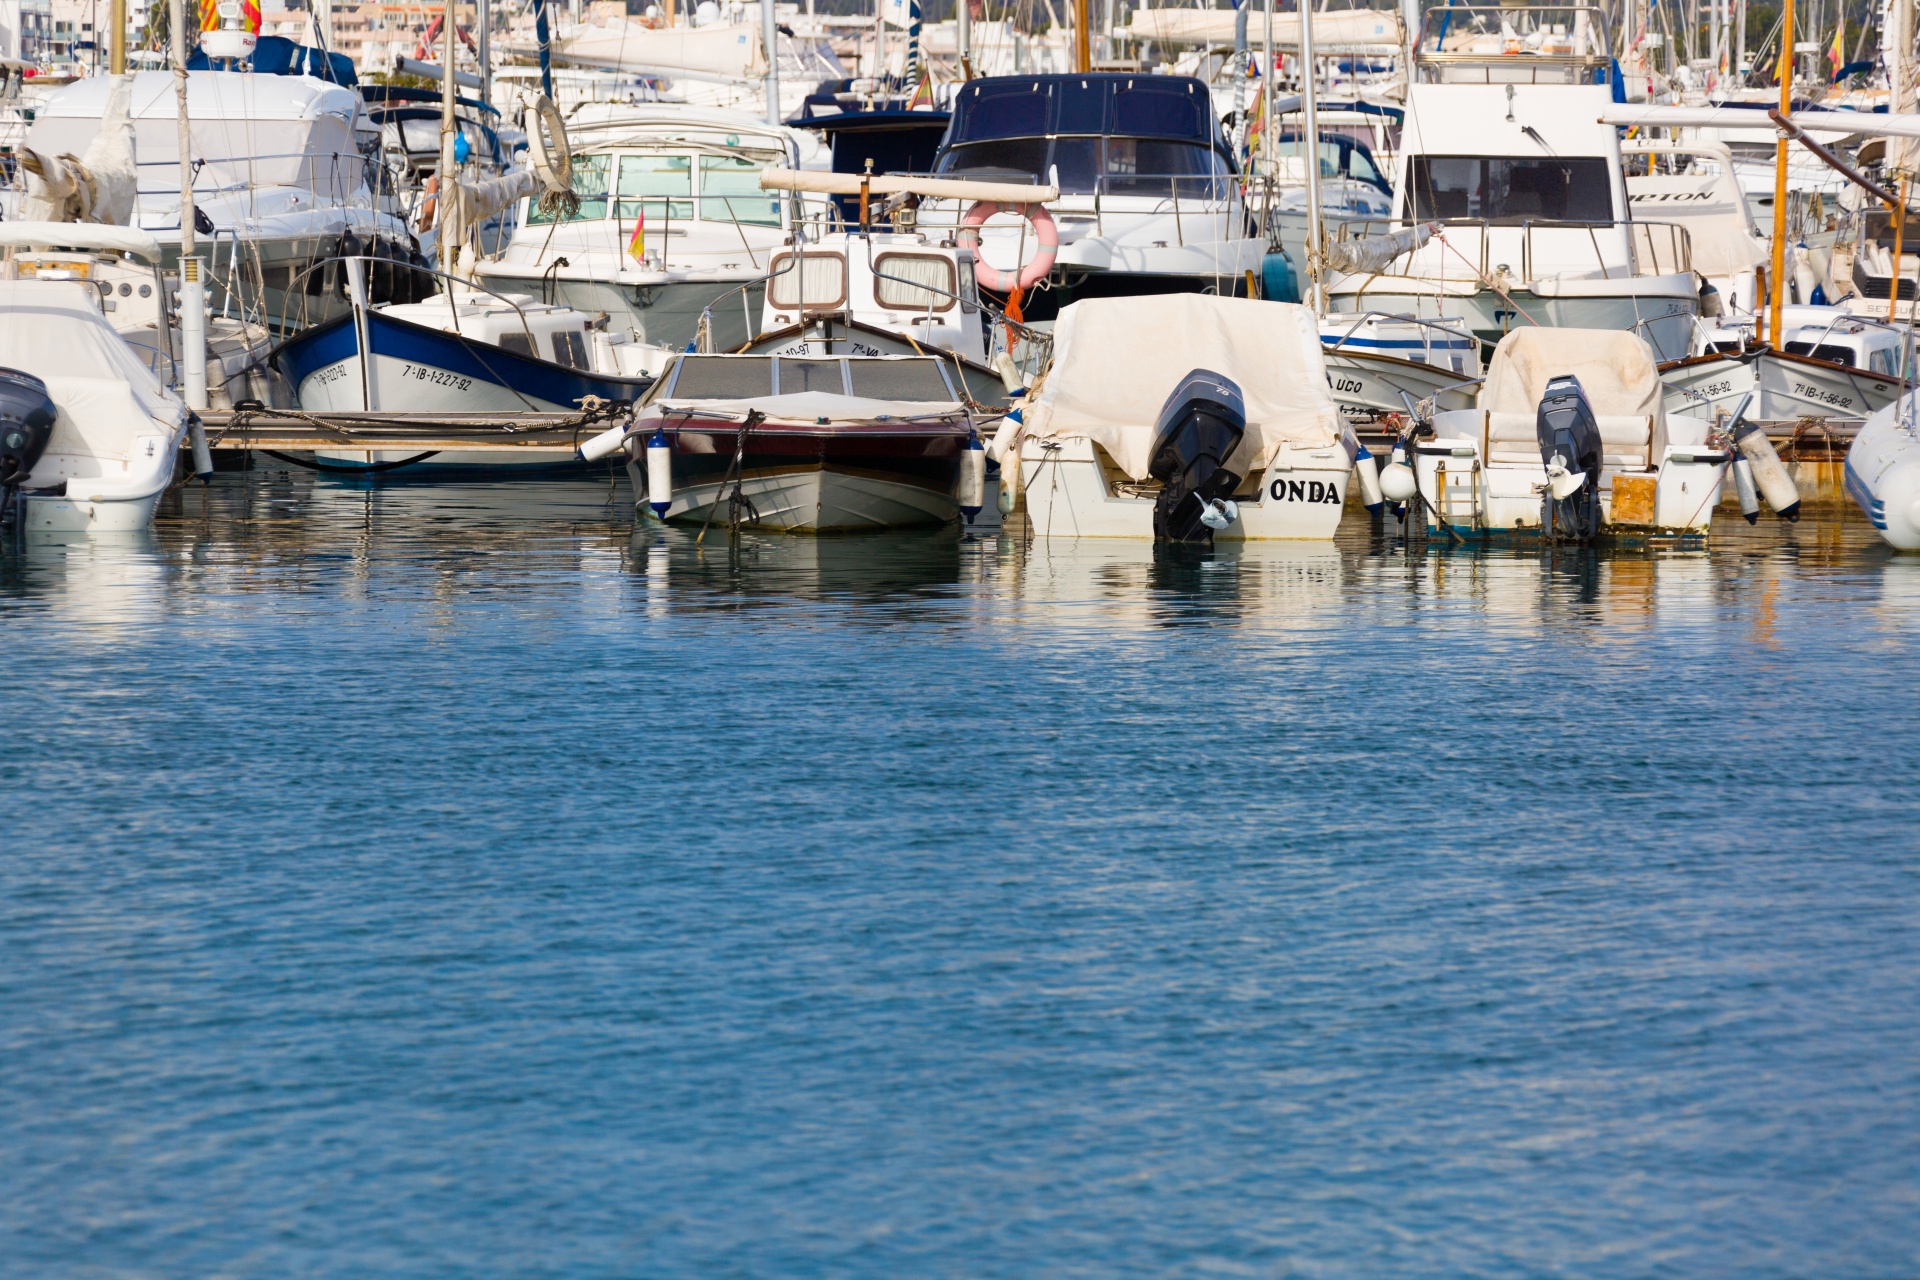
(461,351)
(695,270)
(1150,201)
(88,434)
(800,444)
(1084,457)
(1882,472)
(1502,150)
(280,188)
(1382,366)
(1570,439)
(1834,365)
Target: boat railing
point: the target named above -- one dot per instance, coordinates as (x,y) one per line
(1509,44)
(345,172)
(1361,229)
(1453,337)
(1651,248)
(354,289)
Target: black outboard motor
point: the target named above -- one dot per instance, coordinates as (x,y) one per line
(1570,448)
(26,424)
(1200,426)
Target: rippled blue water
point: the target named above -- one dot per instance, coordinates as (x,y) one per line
(449,882)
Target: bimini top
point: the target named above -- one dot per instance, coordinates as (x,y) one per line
(1116,360)
(1615,369)
(1125,105)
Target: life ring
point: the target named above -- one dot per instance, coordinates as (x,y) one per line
(1036,268)
(547,149)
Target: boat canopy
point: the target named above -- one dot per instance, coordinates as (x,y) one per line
(1133,106)
(1116,360)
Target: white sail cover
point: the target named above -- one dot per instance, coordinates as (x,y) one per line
(100,186)
(731,52)
(1344,29)
(1615,369)
(1375,253)
(1116,360)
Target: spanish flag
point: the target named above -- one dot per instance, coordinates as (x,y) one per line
(1837,55)
(637,245)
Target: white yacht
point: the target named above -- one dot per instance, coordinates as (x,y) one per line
(88,435)
(1150,197)
(282,183)
(1503,153)
(709,234)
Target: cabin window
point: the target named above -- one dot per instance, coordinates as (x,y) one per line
(730,192)
(589,183)
(1824,351)
(818,284)
(649,183)
(913,282)
(811,375)
(1117,166)
(1881,362)
(898,380)
(570,348)
(1510,190)
(518,343)
(722,377)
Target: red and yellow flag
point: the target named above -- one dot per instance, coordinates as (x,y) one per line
(637,244)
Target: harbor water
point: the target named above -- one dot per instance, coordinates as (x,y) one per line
(427,881)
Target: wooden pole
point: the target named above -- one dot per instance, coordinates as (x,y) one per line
(117,38)
(1780,181)
(1899,230)
(1082,48)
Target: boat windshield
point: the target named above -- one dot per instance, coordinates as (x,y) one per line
(667,188)
(747,377)
(1510,190)
(1081,166)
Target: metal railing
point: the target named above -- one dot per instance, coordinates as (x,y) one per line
(1648,248)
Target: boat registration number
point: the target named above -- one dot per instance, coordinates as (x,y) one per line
(439,377)
(1819,395)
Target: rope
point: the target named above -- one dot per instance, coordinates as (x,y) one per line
(1485,280)
(357,469)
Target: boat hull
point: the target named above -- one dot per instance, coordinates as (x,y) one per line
(1882,476)
(1786,387)
(667,314)
(1665,319)
(1069,493)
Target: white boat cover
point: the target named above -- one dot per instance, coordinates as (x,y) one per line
(1116,360)
(1344,29)
(75,235)
(53,329)
(248,130)
(848,184)
(1615,369)
(100,186)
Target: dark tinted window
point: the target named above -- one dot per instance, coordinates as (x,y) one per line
(811,375)
(1012,158)
(1503,189)
(1004,109)
(722,378)
(518,343)
(1825,351)
(1131,166)
(570,348)
(1162,107)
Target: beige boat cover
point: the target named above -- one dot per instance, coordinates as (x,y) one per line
(1615,369)
(1116,360)
(1332,31)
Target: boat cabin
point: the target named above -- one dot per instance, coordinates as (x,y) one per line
(904,283)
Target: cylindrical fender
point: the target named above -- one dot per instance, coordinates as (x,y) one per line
(1034,270)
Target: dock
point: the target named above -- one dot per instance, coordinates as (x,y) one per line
(295,431)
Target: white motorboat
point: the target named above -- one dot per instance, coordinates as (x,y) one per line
(1183,417)
(802,444)
(1571,439)
(1381,366)
(1503,149)
(1883,472)
(88,435)
(709,233)
(1833,365)
(1150,197)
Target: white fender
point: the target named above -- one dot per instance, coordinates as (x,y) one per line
(972,493)
(659,473)
(1776,486)
(604,445)
(1366,470)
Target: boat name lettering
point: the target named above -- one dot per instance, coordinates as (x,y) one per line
(440,377)
(1834,398)
(1284,490)
(862,349)
(1345,384)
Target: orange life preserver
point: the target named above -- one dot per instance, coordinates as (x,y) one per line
(1034,270)
(431,190)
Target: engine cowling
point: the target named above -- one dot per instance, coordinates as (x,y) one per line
(27,415)
(1200,426)
(1570,448)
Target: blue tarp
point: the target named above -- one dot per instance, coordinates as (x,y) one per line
(279,56)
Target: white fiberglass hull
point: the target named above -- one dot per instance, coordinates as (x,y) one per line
(1664,317)
(1068,495)
(1883,474)
(815,500)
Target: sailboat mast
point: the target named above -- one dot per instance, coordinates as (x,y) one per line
(445,194)
(1311,150)
(1780,180)
(483,46)
(770,36)
(1082,50)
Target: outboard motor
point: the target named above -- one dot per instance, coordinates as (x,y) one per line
(1200,426)
(27,415)
(1570,448)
